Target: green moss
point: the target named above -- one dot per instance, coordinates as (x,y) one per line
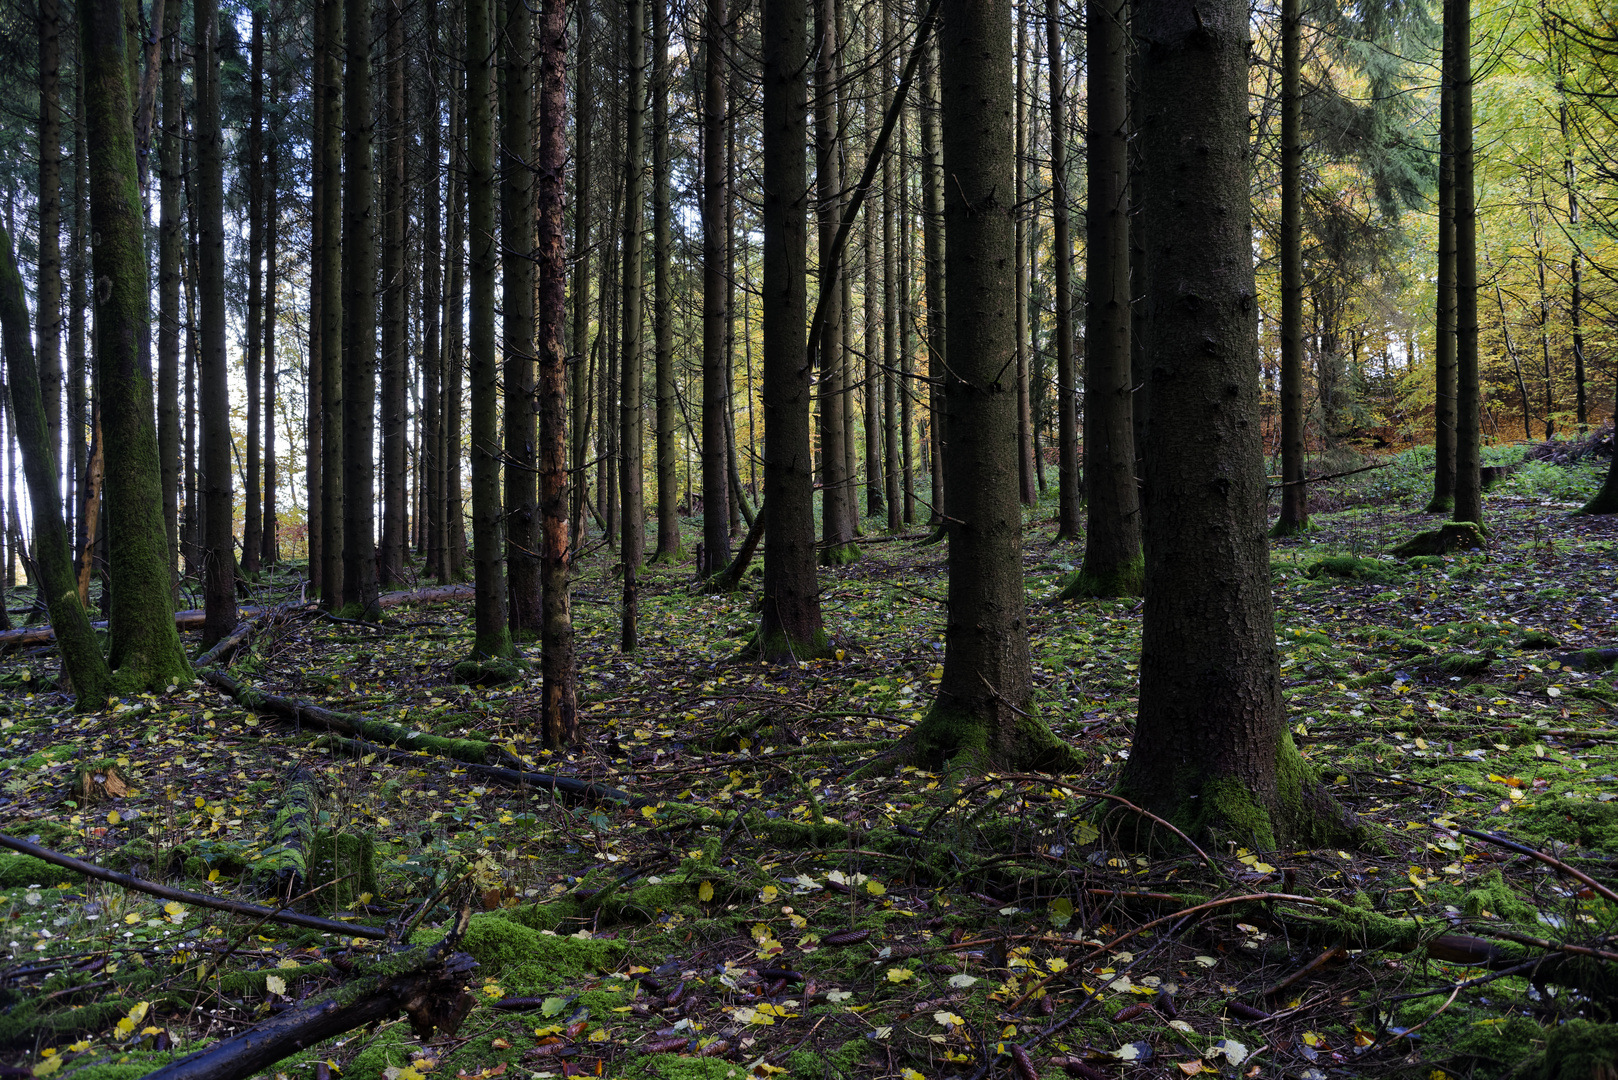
(346,864)
(19,870)
(1573,821)
(1128,579)
(1464,664)
(1538,639)
(1353,567)
(527,960)
(1494,896)
(1451,536)
(1303,815)
(1580,1050)
(675,1067)
(840,555)
(1426,562)
(490,670)
(242,983)
(390,1048)
(957,735)
(776,647)
(847,1060)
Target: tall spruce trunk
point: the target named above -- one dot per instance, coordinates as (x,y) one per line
(169,245)
(359,318)
(1294,492)
(1069,496)
(331,314)
(1112,537)
(871,230)
(669,547)
(559,708)
(1025,434)
(432,304)
(1212,750)
(932,226)
(454,391)
(1444,414)
(891,497)
(77,354)
(1575,310)
(715,296)
(81,651)
(517,312)
(269,544)
(583,193)
(631,464)
(790,624)
(982,704)
(48,283)
(143,645)
(252,510)
(836,518)
(907,322)
(219,546)
(492,641)
(1468,401)
(395,407)
(314,382)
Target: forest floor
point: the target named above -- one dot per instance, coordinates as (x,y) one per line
(913,925)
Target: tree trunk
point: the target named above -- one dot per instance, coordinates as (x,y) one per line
(395,332)
(432,301)
(252,510)
(907,324)
(78,394)
(81,652)
(359,319)
(631,464)
(1294,492)
(1468,401)
(583,193)
(1212,751)
(492,629)
(1025,439)
(517,313)
(269,547)
(932,194)
(48,283)
(871,227)
(331,313)
(143,646)
(219,546)
(715,310)
(1576,277)
(836,520)
(1444,414)
(454,536)
(790,622)
(314,383)
(1067,436)
(169,244)
(559,709)
(669,547)
(890,301)
(982,704)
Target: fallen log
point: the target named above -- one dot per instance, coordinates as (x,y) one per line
(285,863)
(164,892)
(428,984)
(192,619)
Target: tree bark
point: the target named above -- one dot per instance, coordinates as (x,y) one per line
(631,457)
(1212,751)
(314,383)
(932,195)
(1444,414)
(1294,492)
(169,244)
(890,301)
(836,519)
(583,193)
(715,290)
(252,509)
(790,623)
(1069,497)
(48,284)
(359,318)
(331,313)
(269,546)
(144,648)
(432,303)
(219,555)
(1468,400)
(395,333)
(559,709)
(669,546)
(81,652)
(517,311)
(454,536)
(1025,435)
(871,230)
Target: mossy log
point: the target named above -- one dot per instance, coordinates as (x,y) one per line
(284,865)
(428,984)
(353,725)
(164,892)
(1448,537)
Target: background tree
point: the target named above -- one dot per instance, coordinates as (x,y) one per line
(359,319)
(1069,496)
(517,315)
(631,478)
(715,307)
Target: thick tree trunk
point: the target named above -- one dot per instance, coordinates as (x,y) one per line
(631,464)
(932,226)
(871,228)
(836,519)
(314,383)
(432,302)
(890,302)
(169,245)
(517,311)
(669,547)
(559,710)
(715,310)
(454,536)
(1069,497)
(1443,500)
(81,652)
(269,546)
(1025,437)
(492,628)
(359,319)
(982,704)
(790,623)
(48,284)
(144,648)
(219,568)
(331,314)
(395,332)
(583,193)
(78,394)
(1294,492)
(1212,751)
(1468,400)
(252,511)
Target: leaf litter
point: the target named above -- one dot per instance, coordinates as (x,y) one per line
(761,915)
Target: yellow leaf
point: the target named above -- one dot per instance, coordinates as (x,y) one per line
(276,985)
(875,888)
(911,1074)
(705,891)
(899,975)
(767,894)
(113,817)
(598,1035)
(213,875)
(648,811)
(48,1066)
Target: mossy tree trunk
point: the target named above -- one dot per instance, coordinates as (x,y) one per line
(1211,751)
(631,456)
(168,284)
(145,649)
(492,639)
(1069,497)
(1294,492)
(982,703)
(48,286)
(359,318)
(1468,419)
(523,589)
(81,652)
(559,712)
(432,304)
(1112,556)
(219,544)
(715,294)
(454,535)
(790,624)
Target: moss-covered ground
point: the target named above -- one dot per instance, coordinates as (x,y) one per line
(913,923)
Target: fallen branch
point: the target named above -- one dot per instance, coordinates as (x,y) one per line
(428,984)
(164,892)
(225,645)
(1328,476)
(1554,863)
